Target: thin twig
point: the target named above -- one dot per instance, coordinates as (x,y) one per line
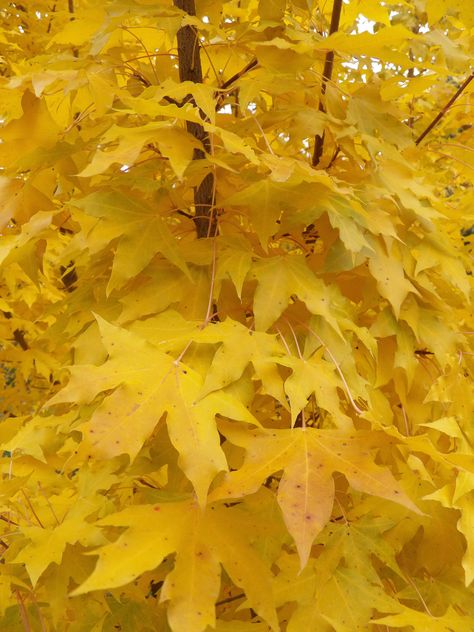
(227,84)
(269,147)
(213,278)
(148,55)
(405,419)
(40,614)
(9,522)
(334,156)
(252,64)
(344,517)
(32,509)
(75,50)
(442,113)
(462,162)
(48,503)
(140,41)
(23,612)
(53,9)
(458,145)
(230,599)
(18,334)
(203,48)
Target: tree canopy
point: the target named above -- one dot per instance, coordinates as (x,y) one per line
(237,333)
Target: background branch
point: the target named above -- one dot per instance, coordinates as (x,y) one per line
(327,74)
(440,114)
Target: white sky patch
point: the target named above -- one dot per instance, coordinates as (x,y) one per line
(205,19)
(353,64)
(376,66)
(125,168)
(225,109)
(364,25)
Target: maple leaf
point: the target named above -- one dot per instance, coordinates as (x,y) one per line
(267,205)
(200,542)
(308,458)
(281,277)
(148,383)
(47,545)
(234,261)
(268,196)
(315,375)
(239,347)
(143,234)
(451,620)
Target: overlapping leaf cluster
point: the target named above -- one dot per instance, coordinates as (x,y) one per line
(269,427)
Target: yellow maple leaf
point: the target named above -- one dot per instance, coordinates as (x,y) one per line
(308,457)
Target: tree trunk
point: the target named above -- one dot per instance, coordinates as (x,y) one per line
(190,69)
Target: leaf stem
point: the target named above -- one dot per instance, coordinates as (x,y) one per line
(285,344)
(48,503)
(358,410)
(23,612)
(32,509)
(140,41)
(425,605)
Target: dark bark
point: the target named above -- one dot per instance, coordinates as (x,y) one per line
(327,74)
(190,69)
(18,334)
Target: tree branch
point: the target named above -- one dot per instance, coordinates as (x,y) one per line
(190,69)
(227,84)
(18,334)
(440,114)
(327,74)
(231,80)
(230,599)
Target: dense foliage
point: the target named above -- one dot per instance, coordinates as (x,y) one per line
(237,326)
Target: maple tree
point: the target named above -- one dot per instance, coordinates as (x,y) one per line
(237,329)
